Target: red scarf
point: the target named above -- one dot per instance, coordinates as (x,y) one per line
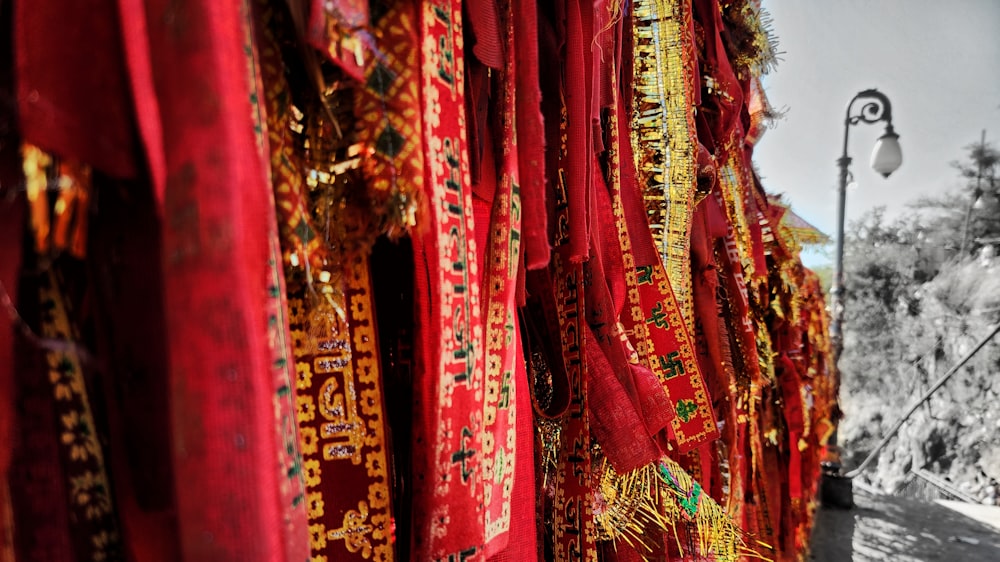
(222,395)
(217,214)
(448,366)
(530,135)
(498,207)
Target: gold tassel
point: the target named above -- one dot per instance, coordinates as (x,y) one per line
(662,498)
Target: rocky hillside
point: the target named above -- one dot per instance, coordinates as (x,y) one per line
(905,328)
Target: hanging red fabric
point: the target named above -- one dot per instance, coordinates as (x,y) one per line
(215,204)
(530,136)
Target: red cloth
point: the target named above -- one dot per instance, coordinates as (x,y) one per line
(448,373)
(215,266)
(185,66)
(72,87)
(724,101)
(705,281)
(790,382)
(530,136)
(791,396)
(523,536)
(755,209)
(135,35)
(572,523)
(484,18)
(628,406)
(579,154)
(12,212)
(672,354)
(498,205)
(12,218)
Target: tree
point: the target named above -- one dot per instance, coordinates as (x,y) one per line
(971,215)
(983,218)
(881,275)
(914,304)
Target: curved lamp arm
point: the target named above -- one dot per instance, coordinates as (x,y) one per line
(877,108)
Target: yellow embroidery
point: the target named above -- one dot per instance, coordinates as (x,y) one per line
(663,134)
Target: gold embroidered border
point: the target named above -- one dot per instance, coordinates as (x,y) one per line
(90,502)
(663,133)
(734,186)
(342,424)
(573,528)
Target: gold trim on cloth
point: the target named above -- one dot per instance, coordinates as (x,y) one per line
(663,133)
(573,528)
(735,185)
(338,398)
(657,328)
(91,505)
(341,421)
(661,501)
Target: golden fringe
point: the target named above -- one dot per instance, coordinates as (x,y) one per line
(663,498)
(753,45)
(663,133)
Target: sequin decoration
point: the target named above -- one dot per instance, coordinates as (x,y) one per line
(663,132)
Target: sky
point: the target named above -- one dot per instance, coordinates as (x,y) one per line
(938,63)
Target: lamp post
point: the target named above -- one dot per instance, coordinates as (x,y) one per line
(886,158)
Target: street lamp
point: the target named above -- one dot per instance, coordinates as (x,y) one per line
(886,158)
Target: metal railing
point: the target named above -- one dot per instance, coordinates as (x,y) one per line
(938,384)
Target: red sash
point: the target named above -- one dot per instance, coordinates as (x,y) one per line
(530,135)
(449,387)
(499,216)
(217,222)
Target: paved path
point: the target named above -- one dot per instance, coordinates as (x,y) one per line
(989,514)
(899,529)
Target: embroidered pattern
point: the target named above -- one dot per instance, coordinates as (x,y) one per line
(451,428)
(572,513)
(341,424)
(673,360)
(90,502)
(501,330)
(388,113)
(663,133)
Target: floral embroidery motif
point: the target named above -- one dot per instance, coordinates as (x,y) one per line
(90,501)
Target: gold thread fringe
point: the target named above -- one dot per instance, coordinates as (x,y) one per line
(663,133)
(663,498)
